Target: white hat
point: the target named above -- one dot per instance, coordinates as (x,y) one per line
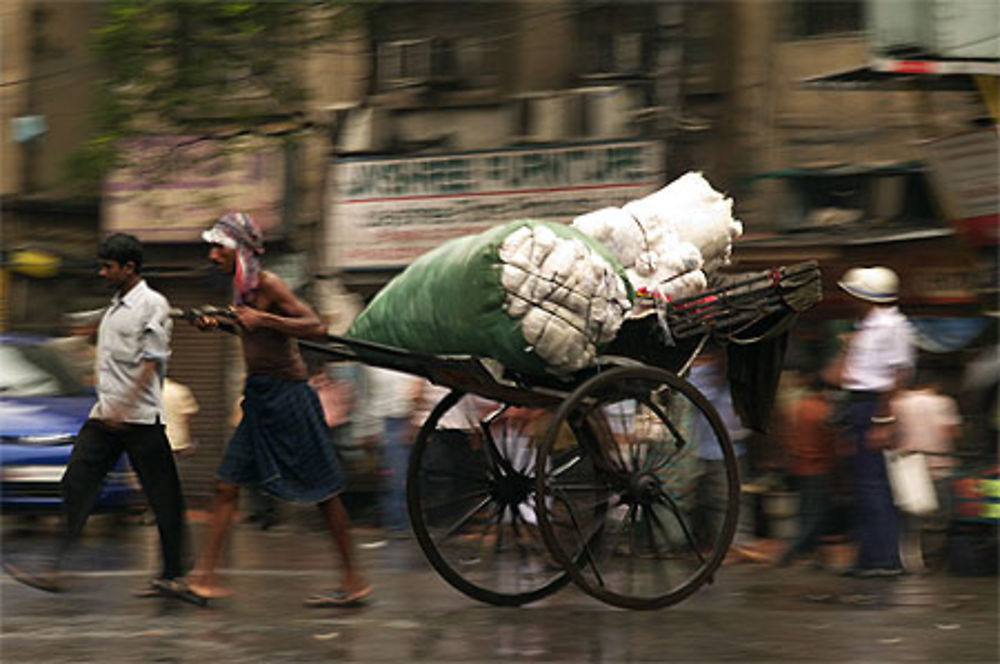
(874,284)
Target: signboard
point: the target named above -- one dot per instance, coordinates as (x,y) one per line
(386,212)
(966,176)
(173,188)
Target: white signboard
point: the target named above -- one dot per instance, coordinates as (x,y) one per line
(174,188)
(965,170)
(386,212)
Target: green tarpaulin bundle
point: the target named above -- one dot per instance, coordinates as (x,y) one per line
(536,296)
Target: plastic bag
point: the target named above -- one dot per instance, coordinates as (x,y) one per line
(912,487)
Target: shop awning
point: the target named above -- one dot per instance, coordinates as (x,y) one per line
(923,73)
(868,78)
(898,168)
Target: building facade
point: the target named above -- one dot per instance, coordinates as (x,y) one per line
(426,120)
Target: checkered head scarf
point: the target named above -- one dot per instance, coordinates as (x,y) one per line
(238,231)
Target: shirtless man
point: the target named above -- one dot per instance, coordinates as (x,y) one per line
(281,445)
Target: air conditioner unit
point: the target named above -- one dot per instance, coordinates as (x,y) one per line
(893,25)
(965,28)
(942,28)
(365,130)
(609,111)
(547,117)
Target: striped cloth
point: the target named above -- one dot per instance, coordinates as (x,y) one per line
(282,444)
(238,231)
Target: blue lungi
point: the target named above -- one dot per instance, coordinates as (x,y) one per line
(282,445)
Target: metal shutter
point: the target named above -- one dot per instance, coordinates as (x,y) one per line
(210,364)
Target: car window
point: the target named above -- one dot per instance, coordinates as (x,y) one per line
(35,371)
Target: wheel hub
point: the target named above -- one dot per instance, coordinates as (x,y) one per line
(512,489)
(644,488)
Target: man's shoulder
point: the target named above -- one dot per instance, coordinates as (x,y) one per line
(271,287)
(268,279)
(887,317)
(155,300)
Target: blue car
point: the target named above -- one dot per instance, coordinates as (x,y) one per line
(43,403)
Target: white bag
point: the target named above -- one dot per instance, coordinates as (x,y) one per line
(912,487)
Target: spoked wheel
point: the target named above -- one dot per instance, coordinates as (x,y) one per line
(470,493)
(646,502)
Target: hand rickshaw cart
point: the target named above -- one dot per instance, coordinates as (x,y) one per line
(519,484)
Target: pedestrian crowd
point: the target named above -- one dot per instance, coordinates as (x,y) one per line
(842,425)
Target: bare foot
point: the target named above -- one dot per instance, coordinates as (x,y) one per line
(208,587)
(211,592)
(354,585)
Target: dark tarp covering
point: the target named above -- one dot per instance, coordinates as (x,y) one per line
(754,371)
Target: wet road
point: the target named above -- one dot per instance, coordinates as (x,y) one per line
(752,613)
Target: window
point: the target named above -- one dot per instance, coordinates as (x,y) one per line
(405,62)
(812,18)
(616,39)
(617,53)
(36,371)
(432,61)
(838,199)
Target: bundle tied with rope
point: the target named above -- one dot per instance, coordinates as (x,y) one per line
(538,297)
(544,297)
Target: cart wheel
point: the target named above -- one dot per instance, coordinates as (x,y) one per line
(647,520)
(470,494)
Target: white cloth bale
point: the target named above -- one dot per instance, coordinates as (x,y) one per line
(568,297)
(693,211)
(617,230)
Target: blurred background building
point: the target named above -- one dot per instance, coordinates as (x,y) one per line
(415,122)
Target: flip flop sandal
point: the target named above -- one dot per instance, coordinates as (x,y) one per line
(148,591)
(48,582)
(339,599)
(178,590)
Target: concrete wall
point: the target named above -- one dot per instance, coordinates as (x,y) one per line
(541,53)
(338,73)
(781,125)
(14,69)
(57,81)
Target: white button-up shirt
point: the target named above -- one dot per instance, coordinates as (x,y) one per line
(882,345)
(135,328)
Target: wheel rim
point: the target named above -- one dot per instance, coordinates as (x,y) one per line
(625,502)
(471,503)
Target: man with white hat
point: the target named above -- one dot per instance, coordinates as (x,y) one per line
(878,361)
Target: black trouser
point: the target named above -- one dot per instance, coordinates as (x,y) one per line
(815,507)
(97,449)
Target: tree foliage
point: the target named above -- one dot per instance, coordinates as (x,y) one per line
(201,67)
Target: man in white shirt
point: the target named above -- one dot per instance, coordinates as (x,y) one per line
(132,350)
(879,358)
